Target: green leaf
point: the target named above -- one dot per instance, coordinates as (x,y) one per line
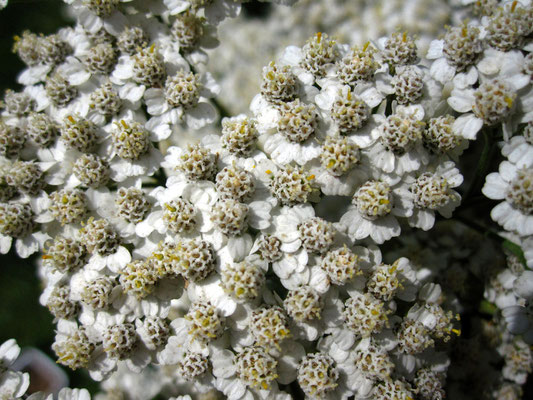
(515,250)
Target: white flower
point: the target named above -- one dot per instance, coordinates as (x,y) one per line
(169,218)
(215,11)
(513,184)
(183,98)
(13,384)
(432,191)
(288,132)
(399,146)
(375,205)
(95,15)
(300,234)
(496,98)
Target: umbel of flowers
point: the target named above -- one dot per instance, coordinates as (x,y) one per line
(203,252)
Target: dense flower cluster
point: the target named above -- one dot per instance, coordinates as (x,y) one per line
(185,250)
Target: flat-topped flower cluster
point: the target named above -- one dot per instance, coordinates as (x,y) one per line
(244,257)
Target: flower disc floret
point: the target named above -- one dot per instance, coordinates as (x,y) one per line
(360,65)
(198,163)
(148,67)
(187,29)
(279,83)
(204,322)
(317,234)
(192,365)
(373,199)
(374,362)
(119,340)
(230,216)
(298,120)
(41,129)
(339,155)
(7,192)
(75,350)
(408,84)
(256,367)
(99,237)
(183,89)
(132,204)
(388,389)
(101,58)
(349,113)
(317,375)
(60,304)
(106,100)
(243,280)
(239,136)
(303,304)
(79,133)
(431,191)
(53,50)
(493,101)
(270,248)
(131,39)
(97,293)
(429,384)
(234,183)
(400,133)
(400,49)
(157,332)
(196,259)
(12,140)
(462,45)
(27,48)
(269,326)
(413,337)
(68,205)
(91,170)
(130,140)
(166,259)
(485,7)
(26,176)
(59,90)
(341,265)
(439,136)
(384,281)
(291,185)
(138,278)
(508,26)
(318,52)
(16,220)
(18,104)
(365,315)
(102,8)
(65,254)
(179,215)
(520,191)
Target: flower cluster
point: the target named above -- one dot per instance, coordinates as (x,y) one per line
(240,254)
